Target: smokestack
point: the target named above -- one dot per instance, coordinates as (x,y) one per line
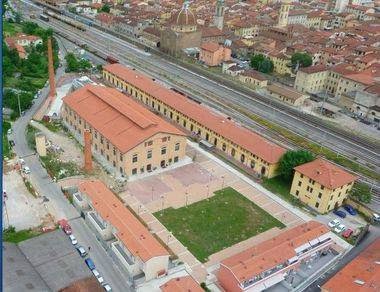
(52,92)
(87,151)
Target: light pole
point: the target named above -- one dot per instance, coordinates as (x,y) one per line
(152,193)
(187,198)
(19,105)
(222,181)
(169,236)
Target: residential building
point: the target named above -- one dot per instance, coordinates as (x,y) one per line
(126,137)
(253,78)
(127,239)
(297,16)
(311,79)
(360,274)
(213,34)
(281,63)
(181,284)
(321,185)
(287,94)
(356,81)
(236,142)
(269,262)
(213,54)
(20,41)
(284,13)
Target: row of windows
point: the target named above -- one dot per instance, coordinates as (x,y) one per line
(149,153)
(157,106)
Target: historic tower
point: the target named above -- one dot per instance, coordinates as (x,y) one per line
(284,13)
(219,14)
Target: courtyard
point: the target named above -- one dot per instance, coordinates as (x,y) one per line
(211,225)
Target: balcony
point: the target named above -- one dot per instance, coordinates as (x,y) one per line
(124,254)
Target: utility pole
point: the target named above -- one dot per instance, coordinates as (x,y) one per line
(19,105)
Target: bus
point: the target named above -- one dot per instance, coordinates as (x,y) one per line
(44,17)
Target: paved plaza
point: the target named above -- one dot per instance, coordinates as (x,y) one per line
(195,182)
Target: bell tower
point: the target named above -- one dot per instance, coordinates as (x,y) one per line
(284,13)
(219,14)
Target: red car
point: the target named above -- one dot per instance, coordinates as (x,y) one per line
(65,226)
(347,233)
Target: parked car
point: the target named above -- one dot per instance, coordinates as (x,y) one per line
(9,131)
(21,161)
(340,228)
(340,213)
(347,233)
(65,226)
(26,169)
(98,276)
(74,241)
(334,223)
(90,264)
(107,287)
(82,251)
(350,210)
(376,217)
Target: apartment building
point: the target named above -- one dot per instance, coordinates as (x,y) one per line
(253,78)
(268,263)
(213,54)
(126,137)
(231,139)
(311,79)
(352,82)
(321,185)
(127,239)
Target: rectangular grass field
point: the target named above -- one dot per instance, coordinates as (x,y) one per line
(209,226)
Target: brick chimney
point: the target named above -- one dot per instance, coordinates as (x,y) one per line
(87,151)
(52,92)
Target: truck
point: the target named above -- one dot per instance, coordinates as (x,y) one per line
(112,60)
(65,226)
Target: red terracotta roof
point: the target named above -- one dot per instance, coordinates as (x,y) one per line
(135,236)
(181,284)
(272,252)
(237,134)
(210,47)
(325,173)
(313,69)
(117,116)
(361,275)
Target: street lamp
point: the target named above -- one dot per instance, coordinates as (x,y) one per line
(169,236)
(162,203)
(222,181)
(187,198)
(152,193)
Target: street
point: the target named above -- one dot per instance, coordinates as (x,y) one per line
(58,205)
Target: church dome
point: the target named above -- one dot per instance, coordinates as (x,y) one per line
(185,17)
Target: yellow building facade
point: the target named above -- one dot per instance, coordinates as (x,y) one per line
(321,185)
(263,160)
(311,79)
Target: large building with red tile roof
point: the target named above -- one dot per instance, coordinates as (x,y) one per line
(125,135)
(181,284)
(138,251)
(268,263)
(321,184)
(362,274)
(232,139)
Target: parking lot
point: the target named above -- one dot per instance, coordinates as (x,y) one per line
(350,221)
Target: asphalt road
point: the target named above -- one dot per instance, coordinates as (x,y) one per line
(58,205)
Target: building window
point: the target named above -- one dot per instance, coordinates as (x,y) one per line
(114,163)
(121,157)
(297,192)
(176,148)
(316,205)
(331,197)
(101,140)
(114,151)
(320,195)
(101,152)
(134,158)
(177,119)
(191,127)
(149,167)
(176,159)
(233,152)
(252,164)
(96,147)
(149,154)
(299,183)
(308,188)
(163,150)
(311,190)
(134,171)
(108,157)
(224,147)
(242,158)
(322,187)
(108,145)
(121,169)
(184,123)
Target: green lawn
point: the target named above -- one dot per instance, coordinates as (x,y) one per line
(280,187)
(11,235)
(209,226)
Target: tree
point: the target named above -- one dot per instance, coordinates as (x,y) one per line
(361,192)
(75,65)
(261,63)
(290,160)
(105,8)
(303,59)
